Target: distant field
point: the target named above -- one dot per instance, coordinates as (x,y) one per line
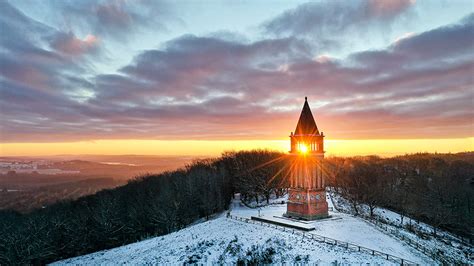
(77,176)
(29,199)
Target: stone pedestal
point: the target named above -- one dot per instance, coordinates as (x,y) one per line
(307,204)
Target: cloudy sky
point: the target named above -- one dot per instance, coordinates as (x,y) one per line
(174,72)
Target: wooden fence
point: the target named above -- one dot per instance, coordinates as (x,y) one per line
(327,240)
(389,229)
(409,241)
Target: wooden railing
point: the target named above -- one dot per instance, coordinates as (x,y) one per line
(327,240)
(423,249)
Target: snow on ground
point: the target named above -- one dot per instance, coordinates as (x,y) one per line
(347,228)
(446,247)
(224,240)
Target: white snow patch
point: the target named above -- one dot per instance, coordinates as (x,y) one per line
(224,240)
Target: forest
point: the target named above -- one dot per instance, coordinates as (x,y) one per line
(435,188)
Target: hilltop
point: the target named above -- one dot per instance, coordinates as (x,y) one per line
(226,240)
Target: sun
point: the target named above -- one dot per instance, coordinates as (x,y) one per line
(303,148)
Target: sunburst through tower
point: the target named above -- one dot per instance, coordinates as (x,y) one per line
(307,196)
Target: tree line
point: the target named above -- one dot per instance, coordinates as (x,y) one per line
(437,189)
(151,205)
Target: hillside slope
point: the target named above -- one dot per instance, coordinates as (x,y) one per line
(227,240)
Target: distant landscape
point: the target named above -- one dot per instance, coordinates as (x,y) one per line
(155,132)
(431,188)
(28,183)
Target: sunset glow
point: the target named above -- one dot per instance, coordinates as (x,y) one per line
(387,147)
(388,77)
(303,148)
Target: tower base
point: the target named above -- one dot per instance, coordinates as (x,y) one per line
(306,204)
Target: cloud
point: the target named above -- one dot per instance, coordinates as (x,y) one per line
(117,19)
(327,22)
(35,82)
(18,30)
(450,40)
(68,43)
(189,61)
(404,36)
(25,57)
(388,8)
(223,87)
(444,45)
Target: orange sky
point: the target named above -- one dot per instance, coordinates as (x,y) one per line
(381,147)
(235,77)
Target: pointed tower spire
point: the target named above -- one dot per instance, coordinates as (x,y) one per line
(306,124)
(306,195)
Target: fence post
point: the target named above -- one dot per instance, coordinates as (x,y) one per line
(402,262)
(373,252)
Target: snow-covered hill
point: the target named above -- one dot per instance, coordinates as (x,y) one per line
(224,240)
(445,247)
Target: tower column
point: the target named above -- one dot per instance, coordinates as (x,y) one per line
(307,198)
(323,185)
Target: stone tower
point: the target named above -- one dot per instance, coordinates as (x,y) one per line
(307,196)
